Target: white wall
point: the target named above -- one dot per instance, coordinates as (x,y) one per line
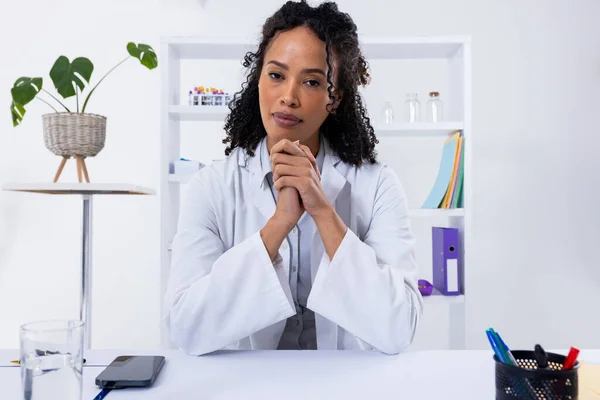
(536,69)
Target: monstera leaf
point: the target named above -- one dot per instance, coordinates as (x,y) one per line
(65,73)
(18,112)
(23,91)
(144,53)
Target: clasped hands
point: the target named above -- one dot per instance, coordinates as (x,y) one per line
(297,179)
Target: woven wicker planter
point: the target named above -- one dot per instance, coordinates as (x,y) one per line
(70,134)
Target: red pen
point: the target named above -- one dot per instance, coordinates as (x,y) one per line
(571,358)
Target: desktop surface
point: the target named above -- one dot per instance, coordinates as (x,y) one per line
(287,375)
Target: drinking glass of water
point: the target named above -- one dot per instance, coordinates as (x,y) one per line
(51,360)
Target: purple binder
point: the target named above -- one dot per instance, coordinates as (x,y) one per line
(446,260)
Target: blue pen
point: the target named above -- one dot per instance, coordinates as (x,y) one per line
(494,345)
(504,347)
(500,338)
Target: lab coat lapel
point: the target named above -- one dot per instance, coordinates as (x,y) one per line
(332,180)
(262,198)
(333,183)
(260,192)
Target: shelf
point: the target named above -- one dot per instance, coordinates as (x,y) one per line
(180,178)
(437,299)
(420,129)
(198,113)
(408,48)
(437,212)
(419,47)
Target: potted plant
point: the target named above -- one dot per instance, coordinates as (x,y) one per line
(72,133)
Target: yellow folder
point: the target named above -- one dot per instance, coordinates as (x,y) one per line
(589,381)
(452,186)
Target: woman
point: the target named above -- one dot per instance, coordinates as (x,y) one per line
(299,239)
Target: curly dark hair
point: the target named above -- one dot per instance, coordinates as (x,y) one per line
(347,128)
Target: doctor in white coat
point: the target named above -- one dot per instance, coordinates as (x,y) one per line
(300,238)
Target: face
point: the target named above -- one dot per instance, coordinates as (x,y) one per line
(293,88)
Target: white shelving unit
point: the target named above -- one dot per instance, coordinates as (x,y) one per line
(418,130)
(453,54)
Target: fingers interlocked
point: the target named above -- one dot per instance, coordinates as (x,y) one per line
(293,159)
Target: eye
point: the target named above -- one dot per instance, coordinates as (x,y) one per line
(275,75)
(313,83)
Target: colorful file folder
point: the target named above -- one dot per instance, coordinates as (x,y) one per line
(446,260)
(457,197)
(447,190)
(589,381)
(456,169)
(440,186)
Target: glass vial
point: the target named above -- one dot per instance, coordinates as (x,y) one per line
(387,113)
(413,108)
(434,108)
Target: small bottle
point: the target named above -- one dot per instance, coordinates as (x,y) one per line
(191,98)
(388,113)
(434,108)
(413,108)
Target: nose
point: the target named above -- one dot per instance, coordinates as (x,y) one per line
(289,96)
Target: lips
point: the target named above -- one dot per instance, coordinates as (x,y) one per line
(286,120)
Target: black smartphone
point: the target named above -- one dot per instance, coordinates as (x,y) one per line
(130,371)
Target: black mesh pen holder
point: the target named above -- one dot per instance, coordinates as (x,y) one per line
(530,382)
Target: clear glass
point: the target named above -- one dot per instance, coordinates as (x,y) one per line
(388,113)
(434,108)
(51,360)
(413,108)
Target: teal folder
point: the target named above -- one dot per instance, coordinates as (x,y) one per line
(444,174)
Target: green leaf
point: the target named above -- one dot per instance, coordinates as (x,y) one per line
(65,73)
(18,112)
(25,89)
(144,53)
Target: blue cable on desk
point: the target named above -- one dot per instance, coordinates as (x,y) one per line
(102,394)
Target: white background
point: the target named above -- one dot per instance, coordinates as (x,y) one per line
(536,74)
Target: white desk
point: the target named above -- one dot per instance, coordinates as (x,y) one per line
(287,375)
(86,191)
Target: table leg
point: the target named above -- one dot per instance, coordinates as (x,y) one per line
(78,161)
(84,169)
(86,270)
(60,168)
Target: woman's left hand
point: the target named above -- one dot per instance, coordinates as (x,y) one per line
(294,165)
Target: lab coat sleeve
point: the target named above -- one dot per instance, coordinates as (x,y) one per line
(215,296)
(369,288)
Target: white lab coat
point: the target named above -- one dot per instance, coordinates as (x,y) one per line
(224,292)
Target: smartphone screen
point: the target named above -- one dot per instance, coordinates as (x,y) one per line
(130,371)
